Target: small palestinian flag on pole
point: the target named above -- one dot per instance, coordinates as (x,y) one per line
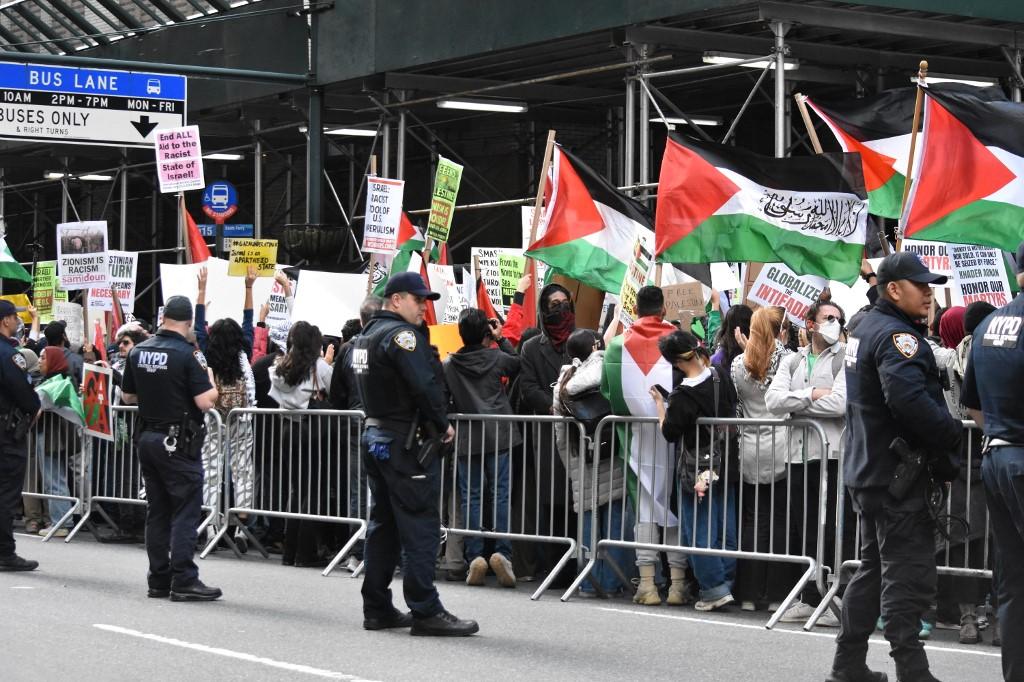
(722,204)
(9,266)
(968,185)
(410,240)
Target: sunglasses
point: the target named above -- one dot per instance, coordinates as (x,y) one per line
(124,342)
(833,318)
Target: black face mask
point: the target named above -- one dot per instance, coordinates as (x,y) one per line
(557,312)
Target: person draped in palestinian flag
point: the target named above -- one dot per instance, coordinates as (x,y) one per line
(633,365)
(968,184)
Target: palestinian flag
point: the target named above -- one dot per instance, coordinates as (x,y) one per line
(410,240)
(9,266)
(969,182)
(58,394)
(722,204)
(592,228)
(483,299)
(878,128)
(632,365)
(197,251)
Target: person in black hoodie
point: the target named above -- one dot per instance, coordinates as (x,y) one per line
(476,377)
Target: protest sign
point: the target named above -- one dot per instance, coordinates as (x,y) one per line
(71,313)
(542,227)
(978,275)
(510,270)
(122,267)
(260,253)
(225,295)
(442,280)
(935,255)
(96,401)
(684,298)
(489,261)
(82,254)
(328,299)
(45,290)
(636,277)
(179,159)
(442,204)
(779,286)
(383,213)
(21,302)
(445,337)
(278,318)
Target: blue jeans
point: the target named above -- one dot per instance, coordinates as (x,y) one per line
(471,472)
(54,474)
(715,575)
(609,527)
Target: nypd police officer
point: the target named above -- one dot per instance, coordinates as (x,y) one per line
(893,391)
(19,406)
(992,395)
(405,420)
(170,381)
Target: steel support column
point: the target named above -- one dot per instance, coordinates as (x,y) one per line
(315,157)
(123,241)
(627,171)
(645,132)
(257,175)
(779,29)
(1016,89)
(400,144)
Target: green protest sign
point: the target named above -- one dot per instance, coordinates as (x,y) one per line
(45,290)
(442,204)
(511,268)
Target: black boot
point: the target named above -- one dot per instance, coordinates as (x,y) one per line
(197,591)
(863,675)
(16,563)
(396,619)
(443,624)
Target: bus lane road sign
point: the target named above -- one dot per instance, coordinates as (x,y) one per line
(88,106)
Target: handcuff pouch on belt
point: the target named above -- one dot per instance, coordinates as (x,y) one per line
(16,424)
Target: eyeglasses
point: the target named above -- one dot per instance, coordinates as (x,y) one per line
(124,342)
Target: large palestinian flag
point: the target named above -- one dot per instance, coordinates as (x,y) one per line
(722,204)
(592,228)
(968,186)
(632,365)
(878,128)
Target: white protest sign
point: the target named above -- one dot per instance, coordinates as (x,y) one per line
(935,255)
(278,318)
(71,313)
(383,213)
(82,254)
(123,268)
(489,259)
(979,275)
(442,280)
(225,295)
(179,159)
(328,299)
(636,277)
(777,285)
(542,227)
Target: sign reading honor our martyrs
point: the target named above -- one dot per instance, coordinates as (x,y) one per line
(979,275)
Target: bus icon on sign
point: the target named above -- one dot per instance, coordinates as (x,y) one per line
(219,196)
(153,86)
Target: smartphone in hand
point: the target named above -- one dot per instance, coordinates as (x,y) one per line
(661,389)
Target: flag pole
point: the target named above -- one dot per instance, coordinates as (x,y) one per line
(549,150)
(373,255)
(181,227)
(801,104)
(922,74)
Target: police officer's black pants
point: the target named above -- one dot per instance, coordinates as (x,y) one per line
(896,580)
(1003,473)
(404,524)
(174,499)
(13,460)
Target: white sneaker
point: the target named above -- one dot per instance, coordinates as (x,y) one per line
(352,564)
(61,532)
(797,613)
(748,606)
(477,571)
(712,605)
(502,568)
(828,620)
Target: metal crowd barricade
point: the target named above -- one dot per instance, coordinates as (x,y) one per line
(647,468)
(57,471)
(117,474)
(965,521)
(491,482)
(304,466)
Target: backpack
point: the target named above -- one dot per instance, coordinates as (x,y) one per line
(710,452)
(588,408)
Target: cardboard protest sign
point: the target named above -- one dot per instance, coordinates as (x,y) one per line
(442,204)
(96,387)
(122,267)
(684,298)
(935,255)
(21,302)
(45,290)
(179,159)
(779,286)
(383,213)
(82,254)
(260,253)
(978,275)
(635,279)
(71,313)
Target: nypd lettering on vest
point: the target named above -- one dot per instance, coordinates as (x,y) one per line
(851,353)
(360,360)
(1003,332)
(152,360)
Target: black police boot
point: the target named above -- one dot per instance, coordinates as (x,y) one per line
(395,619)
(863,675)
(443,624)
(16,563)
(915,676)
(197,591)
(159,592)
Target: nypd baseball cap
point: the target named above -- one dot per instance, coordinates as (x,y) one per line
(7,309)
(178,308)
(407,282)
(909,266)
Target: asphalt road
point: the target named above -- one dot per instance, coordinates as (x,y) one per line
(84,615)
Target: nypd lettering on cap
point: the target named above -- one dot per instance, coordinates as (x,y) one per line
(406,340)
(906,344)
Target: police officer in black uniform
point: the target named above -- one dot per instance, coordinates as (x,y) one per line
(19,407)
(170,381)
(405,422)
(893,390)
(993,396)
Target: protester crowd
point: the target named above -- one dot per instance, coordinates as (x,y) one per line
(752,488)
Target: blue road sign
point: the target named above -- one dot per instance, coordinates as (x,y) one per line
(88,106)
(231,230)
(220,200)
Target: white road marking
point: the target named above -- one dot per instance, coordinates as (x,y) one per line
(291,667)
(22,587)
(748,626)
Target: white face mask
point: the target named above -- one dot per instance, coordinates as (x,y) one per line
(830,332)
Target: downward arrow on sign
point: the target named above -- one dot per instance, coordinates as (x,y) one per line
(144,126)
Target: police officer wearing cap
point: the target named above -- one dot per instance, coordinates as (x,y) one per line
(992,395)
(892,390)
(172,385)
(406,419)
(19,406)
